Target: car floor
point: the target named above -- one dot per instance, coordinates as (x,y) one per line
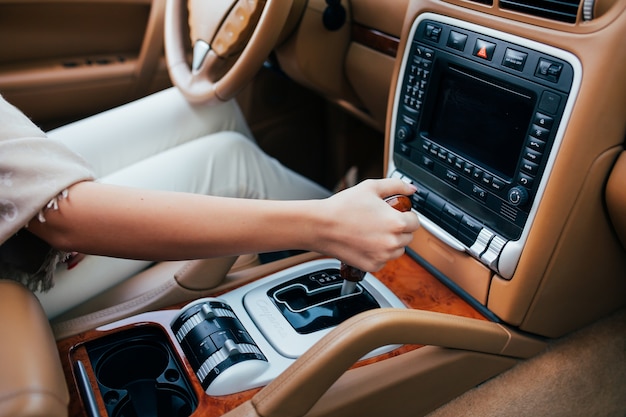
(582,374)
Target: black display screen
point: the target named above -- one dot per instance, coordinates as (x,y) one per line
(480,119)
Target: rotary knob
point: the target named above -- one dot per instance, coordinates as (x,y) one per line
(404,133)
(518,196)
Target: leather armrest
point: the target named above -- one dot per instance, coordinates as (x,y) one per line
(31,377)
(296,390)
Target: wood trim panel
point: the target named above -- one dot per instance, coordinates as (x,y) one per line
(375,39)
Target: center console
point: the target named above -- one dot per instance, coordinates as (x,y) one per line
(238,341)
(477,122)
(247,337)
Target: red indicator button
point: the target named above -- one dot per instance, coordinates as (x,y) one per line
(484,49)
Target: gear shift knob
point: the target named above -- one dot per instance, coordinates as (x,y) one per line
(351,275)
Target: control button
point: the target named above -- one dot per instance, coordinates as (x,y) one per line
(548,70)
(242,336)
(425,53)
(539,132)
(207,312)
(422,193)
(543,120)
(549,102)
(532,156)
(468,230)
(535,144)
(427,162)
(457,40)
(479,193)
(484,49)
(426,145)
(480,245)
(231,348)
(518,196)
(529,167)
(432,32)
(452,176)
(468,168)
(452,212)
(497,184)
(450,218)
(514,59)
(207,347)
(220,337)
(426,64)
(477,174)
(434,149)
(404,133)
(490,257)
(434,205)
(487,179)
(525,180)
(459,164)
(451,159)
(419,199)
(404,149)
(442,154)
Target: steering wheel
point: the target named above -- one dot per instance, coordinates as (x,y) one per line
(231,39)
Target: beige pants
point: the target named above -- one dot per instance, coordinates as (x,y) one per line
(163,142)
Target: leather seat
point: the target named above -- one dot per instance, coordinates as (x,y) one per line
(32,383)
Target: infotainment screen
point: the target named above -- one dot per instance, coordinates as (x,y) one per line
(481,119)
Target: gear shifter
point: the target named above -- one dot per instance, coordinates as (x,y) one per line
(351,275)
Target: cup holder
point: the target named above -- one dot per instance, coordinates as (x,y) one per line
(139,376)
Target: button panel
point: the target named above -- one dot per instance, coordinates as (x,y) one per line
(466,177)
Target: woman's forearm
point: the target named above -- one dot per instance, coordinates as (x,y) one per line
(126,222)
(143,224)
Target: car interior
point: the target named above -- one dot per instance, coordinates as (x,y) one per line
(509,116)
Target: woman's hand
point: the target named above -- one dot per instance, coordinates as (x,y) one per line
(363,230)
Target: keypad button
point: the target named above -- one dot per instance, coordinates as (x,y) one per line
(514,59)
(497,184)
(532,156)
(543,120)
(525,180)
(452,176)
(539,132)
(456,40)
(529,167)
(479,193)
(536,144)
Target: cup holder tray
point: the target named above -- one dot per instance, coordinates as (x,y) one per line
(139,375)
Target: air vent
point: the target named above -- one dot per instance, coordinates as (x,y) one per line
(561,10)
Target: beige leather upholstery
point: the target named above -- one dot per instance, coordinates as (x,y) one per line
(296,391)
(616,197)
(31,378)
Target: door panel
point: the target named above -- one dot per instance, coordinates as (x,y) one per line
(61,60)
